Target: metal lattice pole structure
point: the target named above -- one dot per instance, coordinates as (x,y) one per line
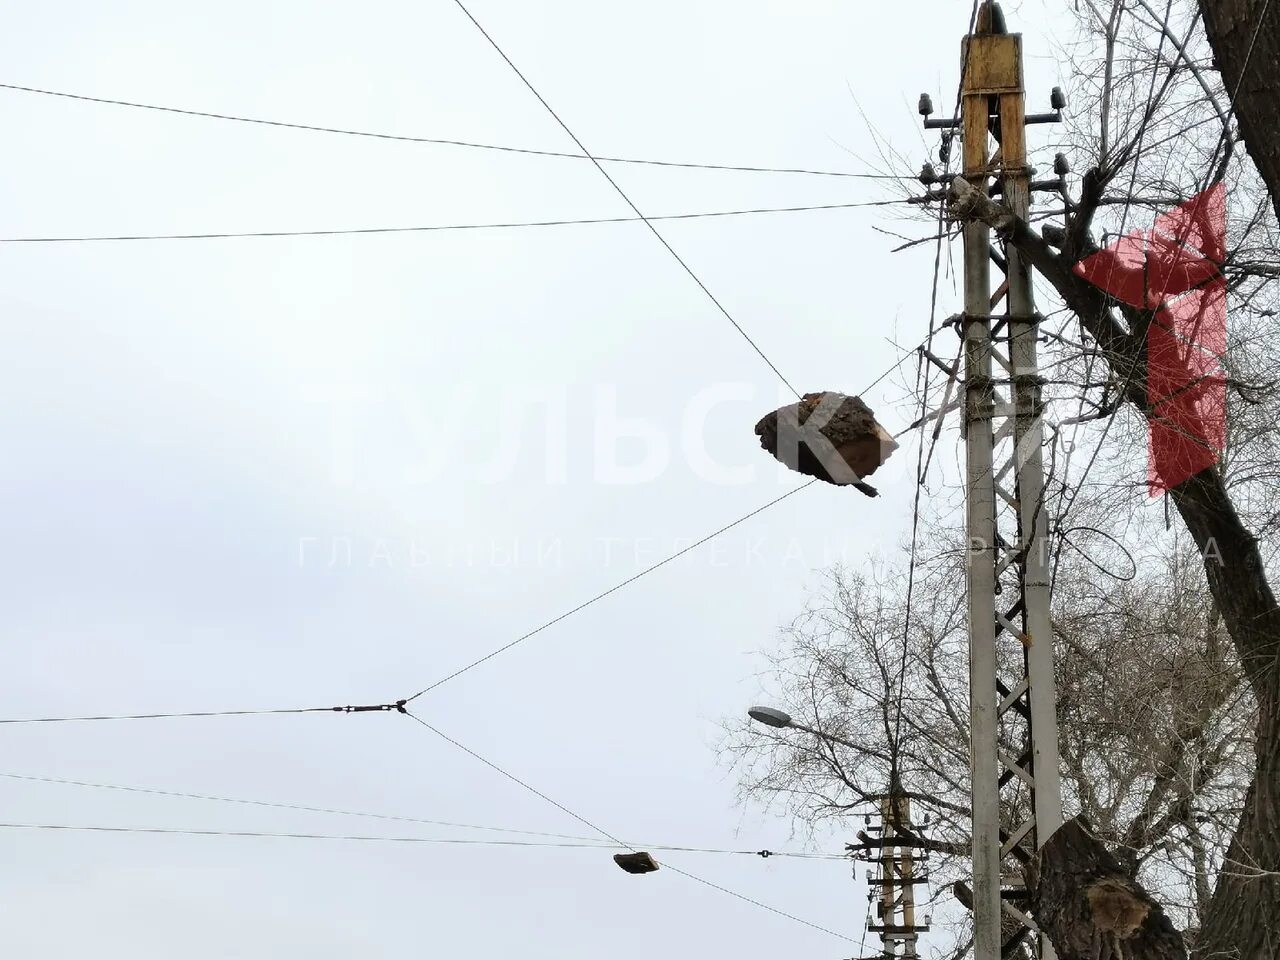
(1013,707)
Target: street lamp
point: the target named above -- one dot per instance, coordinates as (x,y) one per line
(637,862)
(777,718)
(770,717)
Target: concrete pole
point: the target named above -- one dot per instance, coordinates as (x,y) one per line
(979,403)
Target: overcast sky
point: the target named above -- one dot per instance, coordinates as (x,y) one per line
(286,472)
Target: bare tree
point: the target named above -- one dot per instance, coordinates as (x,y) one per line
(1155,714)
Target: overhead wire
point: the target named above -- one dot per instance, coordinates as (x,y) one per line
(276,805)
(498,650)
(645,572)
(1070,494)
(431,228)
(597,161)
(172,716)
(439,141)
(600,830)
(613,589)
(894,746)
(190,831)
(866,923)
(921,463)
(581,840)
(514,779)
(399,705)
(653,567)
(1182,55)
(627,199)
(374,838)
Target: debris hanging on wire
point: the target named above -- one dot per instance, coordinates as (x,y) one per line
(830,436)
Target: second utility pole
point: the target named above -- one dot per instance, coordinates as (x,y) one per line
(1008,582)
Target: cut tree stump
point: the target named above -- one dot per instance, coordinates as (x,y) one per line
(1091,909)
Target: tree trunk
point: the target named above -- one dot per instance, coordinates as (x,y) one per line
(1091,909)
(1245,42)
(1243,921)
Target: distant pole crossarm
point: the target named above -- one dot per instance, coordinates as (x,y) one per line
(899,854)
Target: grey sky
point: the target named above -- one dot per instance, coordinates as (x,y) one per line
(190,426)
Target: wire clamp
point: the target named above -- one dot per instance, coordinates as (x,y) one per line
(398,706)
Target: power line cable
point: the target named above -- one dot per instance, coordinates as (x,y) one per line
(756,903)
(480,660)
(187,831)
(399,705)
(1068,494)
(368,838)
(622,193)
(445,142)
(921,463)
(600,830)
(286,806)
(200,713)
(921,468)
(614,589)
(516,780)
(582,841)
(661,563)
(444,227)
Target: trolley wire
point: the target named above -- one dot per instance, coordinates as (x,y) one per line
(431,228)
(600,830)
(439,141)
(623,194)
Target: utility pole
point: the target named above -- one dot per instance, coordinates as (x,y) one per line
(1013,705)
(900,859)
